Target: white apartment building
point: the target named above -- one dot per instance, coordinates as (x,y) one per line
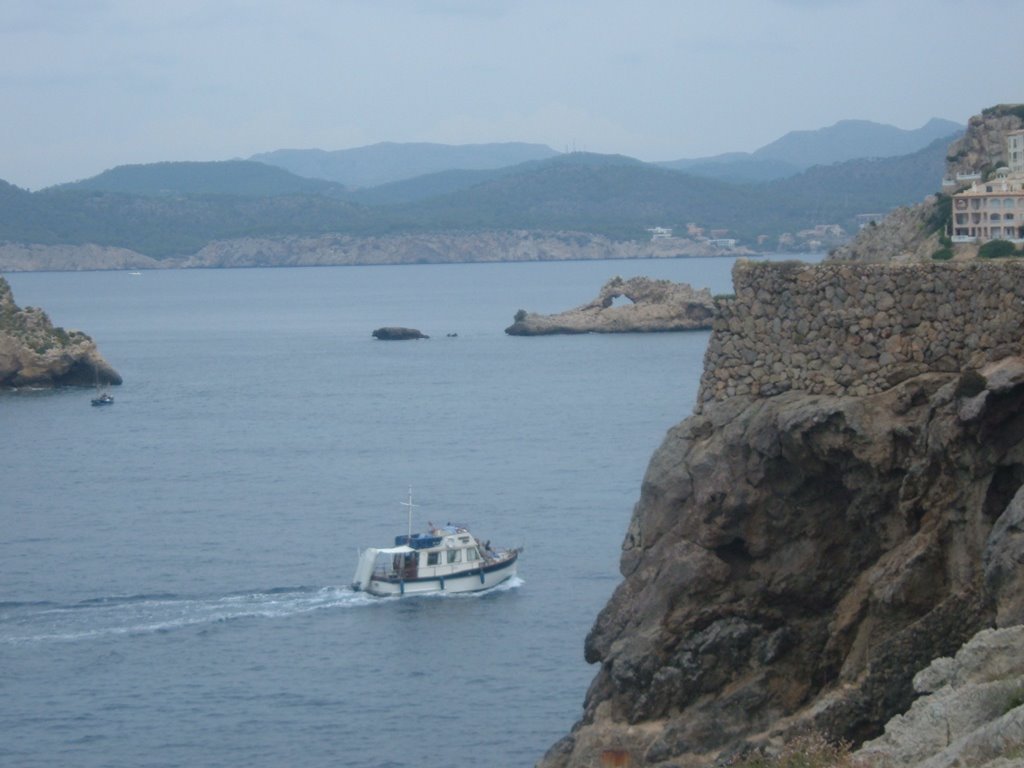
(1015,151)
(994,209)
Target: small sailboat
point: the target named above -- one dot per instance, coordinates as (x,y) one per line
(103,397)
(446,558)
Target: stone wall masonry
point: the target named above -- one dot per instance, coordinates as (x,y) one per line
(846,328)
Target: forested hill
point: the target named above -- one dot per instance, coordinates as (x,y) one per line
(244,178)
(171,209)
(388,162)
(799,150)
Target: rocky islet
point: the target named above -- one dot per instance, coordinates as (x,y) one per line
(650,306)
(35,353)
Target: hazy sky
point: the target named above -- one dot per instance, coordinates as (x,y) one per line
(90,84)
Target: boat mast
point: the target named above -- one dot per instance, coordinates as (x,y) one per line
(410,505)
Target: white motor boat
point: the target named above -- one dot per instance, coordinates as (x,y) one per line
(446,558)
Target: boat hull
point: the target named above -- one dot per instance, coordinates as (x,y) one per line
(475,580)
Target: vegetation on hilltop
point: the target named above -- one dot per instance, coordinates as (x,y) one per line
(1002,110)
(174,209)
(171,225)
(799,150)
(31,326)
(389,162)
(243,178)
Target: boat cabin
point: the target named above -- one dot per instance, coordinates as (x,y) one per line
(440,553)
(439,556)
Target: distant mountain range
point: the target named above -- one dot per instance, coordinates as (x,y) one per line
(229,177)
(174,209)
(388,162)
(799,150)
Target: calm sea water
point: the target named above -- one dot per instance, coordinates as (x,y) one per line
(174,568)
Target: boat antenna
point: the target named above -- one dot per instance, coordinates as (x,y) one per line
(410,505)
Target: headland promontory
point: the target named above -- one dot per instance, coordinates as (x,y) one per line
(35,353)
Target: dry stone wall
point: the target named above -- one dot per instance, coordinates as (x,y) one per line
(857,329)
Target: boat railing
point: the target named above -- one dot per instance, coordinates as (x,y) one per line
(386,571)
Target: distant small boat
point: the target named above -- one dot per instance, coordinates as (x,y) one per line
(447,558)
(104,397)
(135,274)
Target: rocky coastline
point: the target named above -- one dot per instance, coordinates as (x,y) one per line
(832,544)
(352,250)
(653,306)
(35,353)
(794,561)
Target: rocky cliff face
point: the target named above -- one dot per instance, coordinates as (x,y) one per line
(18,257)
(982,148)
(906,235)
(33,352)
(971,710)
(800,551)
(342,250)
(653,305)
(793,561)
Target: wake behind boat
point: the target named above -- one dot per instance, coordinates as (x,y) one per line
(444,559)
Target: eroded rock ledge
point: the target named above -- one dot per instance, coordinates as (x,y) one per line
(971,710)
(654,306)
(793,561)
(35,353)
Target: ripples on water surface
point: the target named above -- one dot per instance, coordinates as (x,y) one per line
(175,566)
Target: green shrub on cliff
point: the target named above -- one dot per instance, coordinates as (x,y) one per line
(943,254)
(996,249)
(1003,110)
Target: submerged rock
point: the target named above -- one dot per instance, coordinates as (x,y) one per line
(654,305)
(35,353)
(396,333)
